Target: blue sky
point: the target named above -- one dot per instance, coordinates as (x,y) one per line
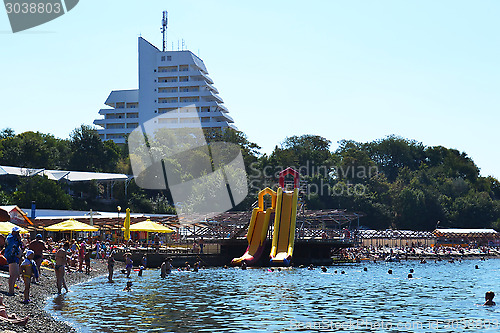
(360,70)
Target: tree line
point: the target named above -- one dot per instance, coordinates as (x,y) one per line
(396,182)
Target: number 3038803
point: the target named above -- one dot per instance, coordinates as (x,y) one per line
(33,8)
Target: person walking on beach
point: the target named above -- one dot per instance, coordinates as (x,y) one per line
(81,256)
(12,254)
(111,265)
(61,259)
(38,246)
(88,252)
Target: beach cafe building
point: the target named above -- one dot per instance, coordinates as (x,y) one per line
(438,237)
(466,237)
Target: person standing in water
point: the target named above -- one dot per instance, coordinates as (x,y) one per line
(166,267)
(59,268)
(111,265)
(128,263)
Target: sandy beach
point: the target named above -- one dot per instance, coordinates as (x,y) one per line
(41,321)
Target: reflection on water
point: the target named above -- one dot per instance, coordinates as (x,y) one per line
(217,300)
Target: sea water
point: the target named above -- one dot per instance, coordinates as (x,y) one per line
(442,297)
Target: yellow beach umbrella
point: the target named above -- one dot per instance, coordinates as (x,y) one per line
(149,226)
(71,225)
(126,235)
(6,228)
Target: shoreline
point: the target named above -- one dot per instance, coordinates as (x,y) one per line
(41,321)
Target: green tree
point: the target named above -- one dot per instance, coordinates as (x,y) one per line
(46,193)
(34,150)
(89,153)
(393,153)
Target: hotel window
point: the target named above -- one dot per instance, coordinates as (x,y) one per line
(163,58)
(169,58)
(173,79)
(190,99)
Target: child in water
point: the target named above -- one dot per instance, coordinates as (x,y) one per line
(489,298)
(128,287)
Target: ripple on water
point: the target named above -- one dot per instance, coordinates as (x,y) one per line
(255,300)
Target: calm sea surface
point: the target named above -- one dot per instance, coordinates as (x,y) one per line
(443,297)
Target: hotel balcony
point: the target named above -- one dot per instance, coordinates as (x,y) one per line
(209,95)
(228,118)
(123,131)
(223,108)
(117,140)
(212,88)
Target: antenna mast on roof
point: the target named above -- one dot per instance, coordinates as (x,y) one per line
(164,22)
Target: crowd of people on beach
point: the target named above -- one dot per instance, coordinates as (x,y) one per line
(412,251)
(24,260)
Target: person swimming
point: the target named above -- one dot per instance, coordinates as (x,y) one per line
(323,269)
(128,287)
(389,271)
(489,298)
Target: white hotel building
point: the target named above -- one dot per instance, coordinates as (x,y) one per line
(173,85)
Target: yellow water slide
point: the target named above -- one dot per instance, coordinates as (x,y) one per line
(257,230)
(284,227)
